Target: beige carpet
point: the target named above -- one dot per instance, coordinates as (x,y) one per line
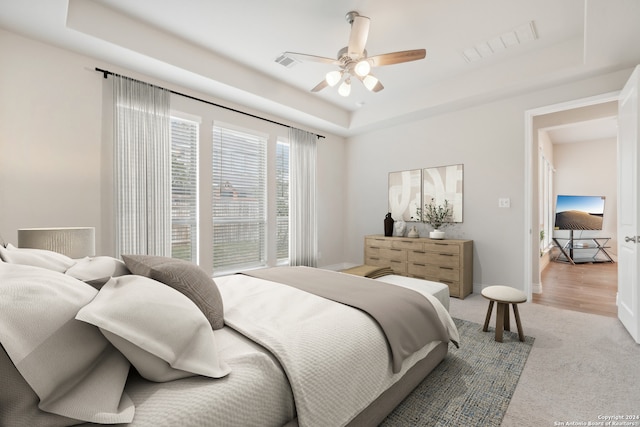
(582,367)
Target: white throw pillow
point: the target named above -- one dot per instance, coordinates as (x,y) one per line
(36,257)
(92,268)
(69,364)
(160,330)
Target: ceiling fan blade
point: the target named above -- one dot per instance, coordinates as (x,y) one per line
(320,86)
(304,57)
(397,57)
(358,36)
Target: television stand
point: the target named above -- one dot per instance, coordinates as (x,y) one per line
(570,249)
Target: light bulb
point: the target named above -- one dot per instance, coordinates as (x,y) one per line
(345,88)
(362,68)
(370,82)
(333,77)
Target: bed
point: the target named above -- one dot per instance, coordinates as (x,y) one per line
(169,346)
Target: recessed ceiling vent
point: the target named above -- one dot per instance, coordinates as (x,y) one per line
(519,35)
(286,61)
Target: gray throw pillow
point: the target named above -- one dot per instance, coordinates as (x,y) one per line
(183,276)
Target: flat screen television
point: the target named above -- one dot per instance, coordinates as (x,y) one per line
(579,212)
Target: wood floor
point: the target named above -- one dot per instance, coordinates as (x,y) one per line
(589,288)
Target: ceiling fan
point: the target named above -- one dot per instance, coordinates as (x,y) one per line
(353,60)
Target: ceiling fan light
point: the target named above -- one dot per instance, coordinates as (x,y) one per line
(333,77)
(370,82)
(345,88)
(362,68)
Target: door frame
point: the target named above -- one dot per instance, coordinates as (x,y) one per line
(531,175)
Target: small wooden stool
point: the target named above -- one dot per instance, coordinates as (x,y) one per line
(503,295)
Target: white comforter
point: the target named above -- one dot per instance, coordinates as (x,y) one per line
(336,358)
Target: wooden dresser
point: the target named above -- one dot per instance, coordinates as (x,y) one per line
(446,261)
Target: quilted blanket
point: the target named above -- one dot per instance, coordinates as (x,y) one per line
(336,358)
(408,321)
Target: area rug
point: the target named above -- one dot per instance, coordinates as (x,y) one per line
(472,386)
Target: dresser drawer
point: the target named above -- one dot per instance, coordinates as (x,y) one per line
(442,247)
(407,244)
(373,242)
(393,254)
(398,267)
(434,272)
(433,258)
(443,260)
(389,253)
(418,256)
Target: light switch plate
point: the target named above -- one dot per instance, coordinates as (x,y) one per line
(504,202)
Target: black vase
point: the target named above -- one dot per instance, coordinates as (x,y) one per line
(388,225)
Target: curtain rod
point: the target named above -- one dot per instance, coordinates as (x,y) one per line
(106,73)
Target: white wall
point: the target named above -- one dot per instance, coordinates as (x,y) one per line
(51,150)
(489,141)
(50,121)
(589,169)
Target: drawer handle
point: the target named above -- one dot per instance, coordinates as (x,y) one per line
(406,241)
(373,257)
(446,268)
(419,252)
(419,264)
(374,247)
(442,244)
(446,281)
(445,254)
(393,260)
(397,250)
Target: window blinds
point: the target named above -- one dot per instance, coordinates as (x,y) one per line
(239,199)
(184,189)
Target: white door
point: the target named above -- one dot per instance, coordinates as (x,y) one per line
(628,212)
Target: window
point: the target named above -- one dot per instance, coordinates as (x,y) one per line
(282,201)
(239,199)
(184,189)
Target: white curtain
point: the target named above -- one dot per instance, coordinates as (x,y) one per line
(302,208)
(142,141)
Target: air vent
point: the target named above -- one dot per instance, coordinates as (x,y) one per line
(286,61)
(522,34)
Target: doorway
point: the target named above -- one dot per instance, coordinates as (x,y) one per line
(563,285)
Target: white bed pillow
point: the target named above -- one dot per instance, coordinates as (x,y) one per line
(160,330)
(69,364)
(99,267)
(36,257)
